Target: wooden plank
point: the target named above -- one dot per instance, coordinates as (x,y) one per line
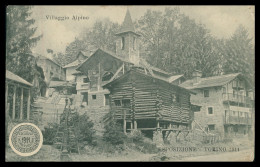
(21,105)
(28,104)
(14,97)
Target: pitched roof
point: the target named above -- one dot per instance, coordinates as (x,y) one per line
(127,25)
(16,78)
(174,77)
(73,64)
(54,84)
(210,81)
(145,75)
(108,53)
(46,58)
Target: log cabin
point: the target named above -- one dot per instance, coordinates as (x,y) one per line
(140,100)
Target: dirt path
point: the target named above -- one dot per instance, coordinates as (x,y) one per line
(244,155)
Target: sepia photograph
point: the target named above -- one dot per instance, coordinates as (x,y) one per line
(130,83)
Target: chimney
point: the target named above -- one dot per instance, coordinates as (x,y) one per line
(196,75)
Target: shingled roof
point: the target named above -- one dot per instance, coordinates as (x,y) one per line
(16,78)
(148,76)
(210,81)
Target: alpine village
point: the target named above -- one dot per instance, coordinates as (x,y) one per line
(122,93)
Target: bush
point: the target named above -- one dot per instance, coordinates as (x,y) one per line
(85,130)
(49,133)
(114,133)
(136,136)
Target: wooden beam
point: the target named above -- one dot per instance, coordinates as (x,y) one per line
(135,124)
(14,97)
(21,105)
(6,94)
(124,122)
(28,104)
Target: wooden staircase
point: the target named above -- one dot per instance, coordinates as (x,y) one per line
(65,138)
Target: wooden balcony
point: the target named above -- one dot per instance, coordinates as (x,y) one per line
(85,86)
(237,100)
(235,118)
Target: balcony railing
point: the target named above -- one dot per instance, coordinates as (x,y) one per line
(238,99)
(234,117)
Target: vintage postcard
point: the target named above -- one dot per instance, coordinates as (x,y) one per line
(130,83)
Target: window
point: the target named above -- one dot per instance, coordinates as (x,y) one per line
(210,110)
(126,102)
(107,76)
(117,102)
(175,98)
(123,43)
(85,80)
(224,89)
(211,127)
(94,97)
(206,93)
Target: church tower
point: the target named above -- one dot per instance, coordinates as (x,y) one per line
(127,42)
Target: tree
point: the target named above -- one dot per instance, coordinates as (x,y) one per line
(237,54)
(73,49)
(102,34)
(176,43)
(20,38)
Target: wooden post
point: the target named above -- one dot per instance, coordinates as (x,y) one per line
(6,94)
(28,104)
(158,124)
(99,76)
(124,122)
(6,123)
(123,68)
(14,96)
(21,105)
(135,124)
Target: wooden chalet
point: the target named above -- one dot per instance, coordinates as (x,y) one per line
(143,101)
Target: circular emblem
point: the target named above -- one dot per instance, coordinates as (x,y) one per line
(26,139)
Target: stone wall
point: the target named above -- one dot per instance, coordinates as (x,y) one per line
(214,100)
(100,98)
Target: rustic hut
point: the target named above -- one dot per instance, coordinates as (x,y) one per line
(140,100)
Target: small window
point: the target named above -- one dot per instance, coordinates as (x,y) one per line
(211,127)
(175,98)
(117,102)
(94,97)
(210,110)
(224,89)
(206,93)
(126,102)
(85,80)
(123,43)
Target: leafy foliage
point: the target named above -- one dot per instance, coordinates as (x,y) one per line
(86,131)
(114,133)
(237,54)
(20,39)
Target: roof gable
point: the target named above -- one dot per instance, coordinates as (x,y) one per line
(121,78)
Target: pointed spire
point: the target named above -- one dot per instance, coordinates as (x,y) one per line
(127,24)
